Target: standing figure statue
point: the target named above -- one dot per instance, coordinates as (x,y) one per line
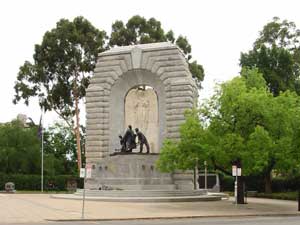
(129,139)
(142,140)
(122,143)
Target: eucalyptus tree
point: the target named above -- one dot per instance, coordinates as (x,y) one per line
(60,71)
(139,30)
(276,54)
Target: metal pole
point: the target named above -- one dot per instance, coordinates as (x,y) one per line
(205,175)
(195,176)
(236,186)
(83,195)
(42,167)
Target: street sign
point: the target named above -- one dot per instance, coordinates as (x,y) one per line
(236,171)
(81,172)
(88,172)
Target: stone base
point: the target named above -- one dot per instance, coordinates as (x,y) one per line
(128,171)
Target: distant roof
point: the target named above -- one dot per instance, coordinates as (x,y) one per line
(143,47)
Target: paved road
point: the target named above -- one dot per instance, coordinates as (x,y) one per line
(199,221)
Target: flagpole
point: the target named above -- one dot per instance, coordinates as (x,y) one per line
(42,167)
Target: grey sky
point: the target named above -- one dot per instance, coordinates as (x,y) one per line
(218,31)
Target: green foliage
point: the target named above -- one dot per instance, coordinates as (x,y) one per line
(60,150)
(33,182)
(280,195)
(169,157)
(276,54)
(19,148)
(191,149)
(139,30)
(61,66)
(254,126)
(243,122)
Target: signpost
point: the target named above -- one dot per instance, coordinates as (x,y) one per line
(236,172)
(205,175)
(299,200)
(85,173)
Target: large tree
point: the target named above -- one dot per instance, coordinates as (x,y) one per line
(60,71)
(243,123)
(276,53)
(253,127)
(139,30)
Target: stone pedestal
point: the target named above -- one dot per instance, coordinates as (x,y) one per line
(135,172)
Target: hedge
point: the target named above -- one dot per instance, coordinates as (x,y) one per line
(256,183)
(33,181)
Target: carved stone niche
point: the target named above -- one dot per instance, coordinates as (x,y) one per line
(141,111)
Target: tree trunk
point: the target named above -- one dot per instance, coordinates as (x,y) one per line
(268,182)
(77,135)
(76,130)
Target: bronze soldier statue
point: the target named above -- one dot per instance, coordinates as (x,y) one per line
(129,139)
(142,140)
(122,143)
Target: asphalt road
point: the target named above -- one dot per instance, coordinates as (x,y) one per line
(198,221)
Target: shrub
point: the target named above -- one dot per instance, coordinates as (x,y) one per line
(33,181)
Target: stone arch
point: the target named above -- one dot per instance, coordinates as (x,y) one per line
(118,93)
(161,65)
(141,111)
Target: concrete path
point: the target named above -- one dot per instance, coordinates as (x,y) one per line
(30,208)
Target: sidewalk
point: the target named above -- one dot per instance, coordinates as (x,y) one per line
(29,208)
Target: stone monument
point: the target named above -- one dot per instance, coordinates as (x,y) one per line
(148,86)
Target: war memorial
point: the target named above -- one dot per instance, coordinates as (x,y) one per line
(148,87)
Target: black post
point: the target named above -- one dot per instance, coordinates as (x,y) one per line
(299,200)
(240,185)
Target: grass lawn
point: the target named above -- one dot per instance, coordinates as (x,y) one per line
(292,195)
(280,195)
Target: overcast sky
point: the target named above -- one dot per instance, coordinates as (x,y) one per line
(217,30)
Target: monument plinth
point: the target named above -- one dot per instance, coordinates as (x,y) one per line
(147,86)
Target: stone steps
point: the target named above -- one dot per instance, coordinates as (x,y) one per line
(141,193)
(141,199)
(166,187)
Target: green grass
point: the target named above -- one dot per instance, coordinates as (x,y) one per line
(280,195)
(293,195)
